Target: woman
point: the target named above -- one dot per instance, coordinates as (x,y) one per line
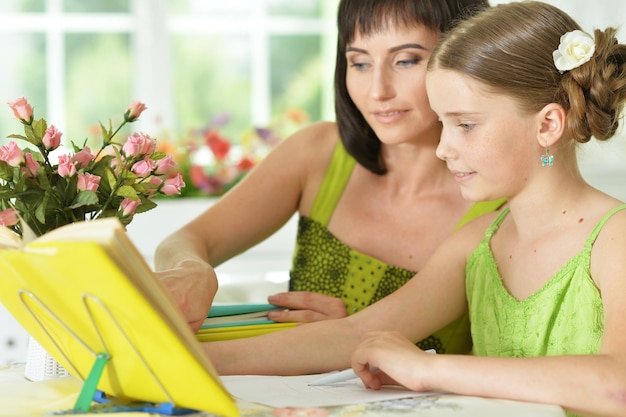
(373,199)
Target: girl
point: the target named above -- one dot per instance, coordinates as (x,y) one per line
(517,88)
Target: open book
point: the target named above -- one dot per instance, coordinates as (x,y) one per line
(82,290)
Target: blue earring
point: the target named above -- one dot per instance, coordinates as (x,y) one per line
(547,159)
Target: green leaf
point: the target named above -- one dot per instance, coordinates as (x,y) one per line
(158,155)
(146,204)
(107,134)
(111,180)
(127,191)
(84,198)
(6,171)
(40,210)
(22,137)
(39,130)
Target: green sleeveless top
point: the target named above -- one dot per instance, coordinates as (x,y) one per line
(323,264)
(566,316)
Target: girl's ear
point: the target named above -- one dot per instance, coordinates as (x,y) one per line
(552,124)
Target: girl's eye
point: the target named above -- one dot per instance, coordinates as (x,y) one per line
(466,126)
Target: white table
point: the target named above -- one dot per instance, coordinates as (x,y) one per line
(22,398)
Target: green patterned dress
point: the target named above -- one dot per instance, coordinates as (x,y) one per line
(323,264)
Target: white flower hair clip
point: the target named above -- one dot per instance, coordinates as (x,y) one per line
(576,48)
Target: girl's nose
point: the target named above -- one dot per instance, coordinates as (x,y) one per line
(444,151)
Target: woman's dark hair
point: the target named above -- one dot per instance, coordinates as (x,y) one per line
(371,16)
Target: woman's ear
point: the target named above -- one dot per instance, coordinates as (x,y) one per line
(552,124)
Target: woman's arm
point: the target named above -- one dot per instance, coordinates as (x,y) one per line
(430,300)
(252,211)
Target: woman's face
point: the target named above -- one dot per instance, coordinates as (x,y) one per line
(385,78)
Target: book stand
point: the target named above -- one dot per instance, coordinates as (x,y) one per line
(89,392)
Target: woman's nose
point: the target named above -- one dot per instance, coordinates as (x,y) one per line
(382,87)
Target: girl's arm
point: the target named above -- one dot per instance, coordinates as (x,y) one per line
(591,385)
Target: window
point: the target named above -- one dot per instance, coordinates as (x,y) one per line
(79,62)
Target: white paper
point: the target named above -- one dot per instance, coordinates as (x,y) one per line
(295,391)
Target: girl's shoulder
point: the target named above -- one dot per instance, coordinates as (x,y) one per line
(471,234)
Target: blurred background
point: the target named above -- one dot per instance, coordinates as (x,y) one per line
(79,62)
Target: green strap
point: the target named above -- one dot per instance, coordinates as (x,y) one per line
(480,208)
(337,176)
(333,184)
(87,393)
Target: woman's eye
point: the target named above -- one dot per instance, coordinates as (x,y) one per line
(408,62)
(466,126)
(359,66)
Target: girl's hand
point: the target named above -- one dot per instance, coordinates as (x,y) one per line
(306,307)
(388,358)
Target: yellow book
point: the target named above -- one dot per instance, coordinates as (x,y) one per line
(214,334)
(84,289)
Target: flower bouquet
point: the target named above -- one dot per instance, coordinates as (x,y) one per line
(46,187)
(43,187)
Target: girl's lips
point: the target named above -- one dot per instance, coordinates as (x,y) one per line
(462,176)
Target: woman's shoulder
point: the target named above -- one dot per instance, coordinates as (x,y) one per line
(316,134)
(314,143)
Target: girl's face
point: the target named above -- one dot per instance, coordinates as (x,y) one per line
(488,144)
(386,80)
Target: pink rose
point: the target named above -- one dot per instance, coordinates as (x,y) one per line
(139,144)
(129,206)
(173,185)
(31,165)
(22,110)
(66,166)
(155,180)
(8,217)
(52,139)
(83,157)
(144,167)
(11,154)
(134,111)
(88,182)
(165,165)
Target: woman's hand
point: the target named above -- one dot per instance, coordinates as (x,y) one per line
(389,358)
(306,307)
(192,286)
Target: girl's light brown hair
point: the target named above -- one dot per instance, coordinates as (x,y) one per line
(509,49)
